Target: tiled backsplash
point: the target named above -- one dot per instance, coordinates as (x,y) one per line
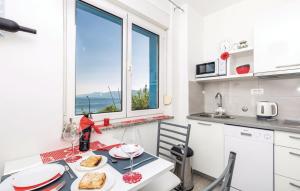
(237,94)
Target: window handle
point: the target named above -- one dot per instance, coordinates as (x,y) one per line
(130,68)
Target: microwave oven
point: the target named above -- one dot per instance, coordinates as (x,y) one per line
(210,69)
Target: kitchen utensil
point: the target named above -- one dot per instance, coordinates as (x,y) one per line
(113,160)
(244,69)
(67,168)
(265,109)
(136,164)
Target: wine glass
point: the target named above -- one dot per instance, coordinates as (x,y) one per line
(71,134)
(131,150)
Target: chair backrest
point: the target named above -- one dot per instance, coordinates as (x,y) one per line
(171,135)
(226,176)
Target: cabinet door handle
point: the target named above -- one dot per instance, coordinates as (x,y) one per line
(295,185)
(293,137)
(287,66)
(206,124)
(246,134)
(295,154)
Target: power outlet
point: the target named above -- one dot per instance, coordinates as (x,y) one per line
(258,91)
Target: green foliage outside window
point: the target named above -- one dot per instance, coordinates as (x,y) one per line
(109,108)
(140,100)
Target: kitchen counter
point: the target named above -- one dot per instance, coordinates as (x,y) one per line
(253,122)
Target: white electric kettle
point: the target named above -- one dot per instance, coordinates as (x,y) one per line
(265,109)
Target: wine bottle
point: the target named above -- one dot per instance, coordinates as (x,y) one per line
(84,140)
(12,26)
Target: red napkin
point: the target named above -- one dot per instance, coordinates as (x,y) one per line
(107,148)
(86,122)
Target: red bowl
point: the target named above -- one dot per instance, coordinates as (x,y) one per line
(244,69)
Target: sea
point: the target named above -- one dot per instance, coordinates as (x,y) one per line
(82,104)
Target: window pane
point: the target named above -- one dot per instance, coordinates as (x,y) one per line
(145,55)
(98,60)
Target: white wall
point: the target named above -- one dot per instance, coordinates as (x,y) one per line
(234,23)
(31,80)
(187,52)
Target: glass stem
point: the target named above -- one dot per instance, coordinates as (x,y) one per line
(131,163)
(73,150)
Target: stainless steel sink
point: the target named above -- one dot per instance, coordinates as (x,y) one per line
(213,115)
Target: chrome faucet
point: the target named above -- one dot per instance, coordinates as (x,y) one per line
(218,98)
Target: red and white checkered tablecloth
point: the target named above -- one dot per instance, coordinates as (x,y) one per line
(52,156)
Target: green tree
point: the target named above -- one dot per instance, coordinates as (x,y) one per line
(108,109)
(141,99)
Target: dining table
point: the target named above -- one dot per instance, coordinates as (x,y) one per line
(149,171)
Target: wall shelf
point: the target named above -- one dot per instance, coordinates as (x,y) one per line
(237,58)
(223,78)
(242,50)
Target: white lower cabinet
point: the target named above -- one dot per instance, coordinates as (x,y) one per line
(286,184)
(207,141)
(287,161)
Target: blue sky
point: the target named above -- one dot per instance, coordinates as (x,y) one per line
(99,55)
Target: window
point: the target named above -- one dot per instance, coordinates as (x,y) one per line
(98,61)
(114,67)
(145,53)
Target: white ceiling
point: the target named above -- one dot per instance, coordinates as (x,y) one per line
(206,7)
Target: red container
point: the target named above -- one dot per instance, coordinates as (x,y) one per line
(244,69)
(106,121)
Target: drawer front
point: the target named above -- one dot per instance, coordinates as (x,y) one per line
(286,184)
(287,139)
(287,162)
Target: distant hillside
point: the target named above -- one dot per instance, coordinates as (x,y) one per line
(115,94)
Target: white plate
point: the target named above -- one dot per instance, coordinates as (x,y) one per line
(117,152)
(6,184)
(109,183)
(101,164)
(44,175)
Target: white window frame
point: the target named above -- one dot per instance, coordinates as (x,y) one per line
(70,46)
(161,65)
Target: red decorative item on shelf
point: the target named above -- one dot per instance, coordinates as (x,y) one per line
(244,69)
(225,55)
(106,122)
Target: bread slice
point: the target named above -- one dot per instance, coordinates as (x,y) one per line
(91,161)
(92,181)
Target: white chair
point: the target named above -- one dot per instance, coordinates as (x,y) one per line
(169,180)
(165,182)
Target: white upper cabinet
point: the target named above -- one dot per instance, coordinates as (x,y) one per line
(277,39)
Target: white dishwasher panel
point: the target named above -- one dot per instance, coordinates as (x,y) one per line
(253,169)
